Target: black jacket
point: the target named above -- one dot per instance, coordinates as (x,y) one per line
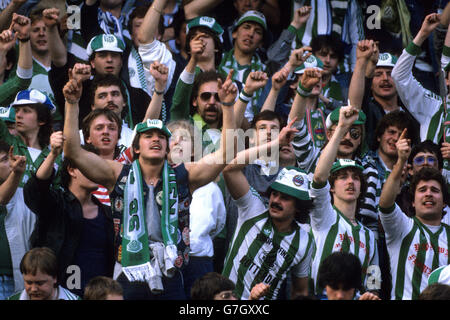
(59,222)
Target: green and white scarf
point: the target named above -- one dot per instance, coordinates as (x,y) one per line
(139,264)
(241,73)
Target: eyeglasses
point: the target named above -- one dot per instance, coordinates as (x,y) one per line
(355,133)
(205,96)
(420,160)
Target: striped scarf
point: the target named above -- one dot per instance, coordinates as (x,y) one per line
(241,73)
(136,71)
(329,17)
(112,25)
(136,262)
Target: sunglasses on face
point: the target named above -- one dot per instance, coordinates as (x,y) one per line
(355,133)
(420,160)
(205,96)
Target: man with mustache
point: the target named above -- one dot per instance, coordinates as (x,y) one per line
(417,245)
(333,219)
(373,90)
(350,147)
(269,241)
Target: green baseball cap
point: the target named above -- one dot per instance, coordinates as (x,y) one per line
(153,124)
(207,22)
(386,60)
(292,181)
(333,118)
(8,114)
(254,16)
(345,163)
(311,62)
(105,42)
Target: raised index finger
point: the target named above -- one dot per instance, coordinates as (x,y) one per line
(403,135)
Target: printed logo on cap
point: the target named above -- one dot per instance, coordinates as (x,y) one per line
(298,180)
(109,38)
(208,21)
(384,56)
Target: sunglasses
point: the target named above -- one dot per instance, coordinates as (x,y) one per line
(355,133)
(420,160)
(205,96)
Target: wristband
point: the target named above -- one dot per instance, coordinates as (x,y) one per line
(304,92)
(24,39)
(228,104)
(158,92)
(159,11)
(245,96)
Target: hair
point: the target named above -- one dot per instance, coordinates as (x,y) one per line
(179,19)
(210,284)
(43,115)
(427,174)
(4,146)
(435,291)
(193,132)
(11,57)
(399,119)
(98,288)
(41,259)
(328,42)
(427,146)
(108,80)
(140,12)
(267,115)
(340,269)
(217,42)
(332,179)
(65,176)
(94,114)
(36,15)
(200,79)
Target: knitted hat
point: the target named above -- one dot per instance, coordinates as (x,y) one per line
(8,114)
(292,181)
(386,60)
(333,118)
(33,96)
(345,163)
(311,62)
(207,22)
(105,42)
(153,124)
(254,16)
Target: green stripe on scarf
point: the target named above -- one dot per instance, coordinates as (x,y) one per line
(135,245)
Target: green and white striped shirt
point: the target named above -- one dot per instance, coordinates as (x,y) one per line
(259,253)
(415,250)
(334,232)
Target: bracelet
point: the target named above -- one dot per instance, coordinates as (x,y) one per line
(158,92)
(244,96)
(154,8)
(228,104)
(304,92)
(24,39)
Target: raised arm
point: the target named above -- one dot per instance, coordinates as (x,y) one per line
(309,79)
(198,8)
(149,27)
(10,185)
(364,51)
(347,115)
(209,167)
(56,144)
(393,184)
(279,79)
(96,169)
(255,81)
(56,47)
(160,73)
(430,23)
(7,13)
